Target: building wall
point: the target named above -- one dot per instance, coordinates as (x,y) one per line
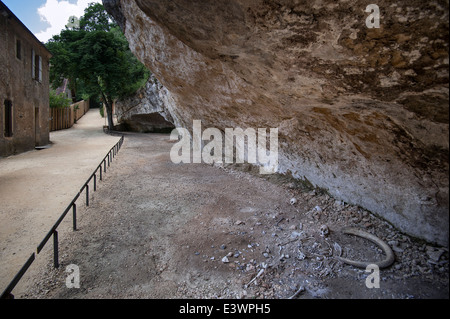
(29,96)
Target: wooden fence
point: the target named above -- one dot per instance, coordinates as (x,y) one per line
(64,118)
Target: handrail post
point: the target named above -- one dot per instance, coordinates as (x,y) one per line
(95,182)
(87,194)
(74,212)
(55,249)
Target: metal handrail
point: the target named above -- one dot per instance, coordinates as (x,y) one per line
(7,293)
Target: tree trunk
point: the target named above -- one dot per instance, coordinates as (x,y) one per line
(109,111)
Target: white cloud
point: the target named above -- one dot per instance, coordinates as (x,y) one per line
(57,13)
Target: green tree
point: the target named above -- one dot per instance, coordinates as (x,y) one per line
(96,19)
(58,101)
(63,49)
(96,59)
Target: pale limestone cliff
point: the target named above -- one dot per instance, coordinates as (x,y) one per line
(147,110)
(361,112)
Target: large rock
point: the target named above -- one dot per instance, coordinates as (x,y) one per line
(147,110)
(361,112)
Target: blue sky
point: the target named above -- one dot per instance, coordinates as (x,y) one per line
(46,18)
(26,11)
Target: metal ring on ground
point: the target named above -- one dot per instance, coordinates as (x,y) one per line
(389,260)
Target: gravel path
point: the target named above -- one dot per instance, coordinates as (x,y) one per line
(155,229)
(37,186)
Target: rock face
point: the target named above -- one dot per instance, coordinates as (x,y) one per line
(147,110)
(361,112)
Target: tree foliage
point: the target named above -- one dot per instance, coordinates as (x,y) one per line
(58,100)
(96,59)
(95,18)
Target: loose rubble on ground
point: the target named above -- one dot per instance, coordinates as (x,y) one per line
(290,250)
(302,245)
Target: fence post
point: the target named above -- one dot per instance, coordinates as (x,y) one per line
(87,194)
(74,211)
(55,249)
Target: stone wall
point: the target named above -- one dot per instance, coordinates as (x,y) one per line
(22,87)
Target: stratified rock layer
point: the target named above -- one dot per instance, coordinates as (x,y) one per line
(361,112)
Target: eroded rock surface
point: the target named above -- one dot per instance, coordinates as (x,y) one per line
(147,110)
(362,112)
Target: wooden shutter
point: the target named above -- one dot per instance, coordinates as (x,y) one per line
(40,69)
(33,64)
(8,119)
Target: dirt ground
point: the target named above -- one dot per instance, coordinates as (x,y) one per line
(155,229)
(37,186)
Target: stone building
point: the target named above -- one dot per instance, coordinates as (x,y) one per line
(24,87)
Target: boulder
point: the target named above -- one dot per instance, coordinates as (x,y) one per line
(145,111)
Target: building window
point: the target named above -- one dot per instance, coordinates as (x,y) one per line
(8,116)
(19,49)
(36,71)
